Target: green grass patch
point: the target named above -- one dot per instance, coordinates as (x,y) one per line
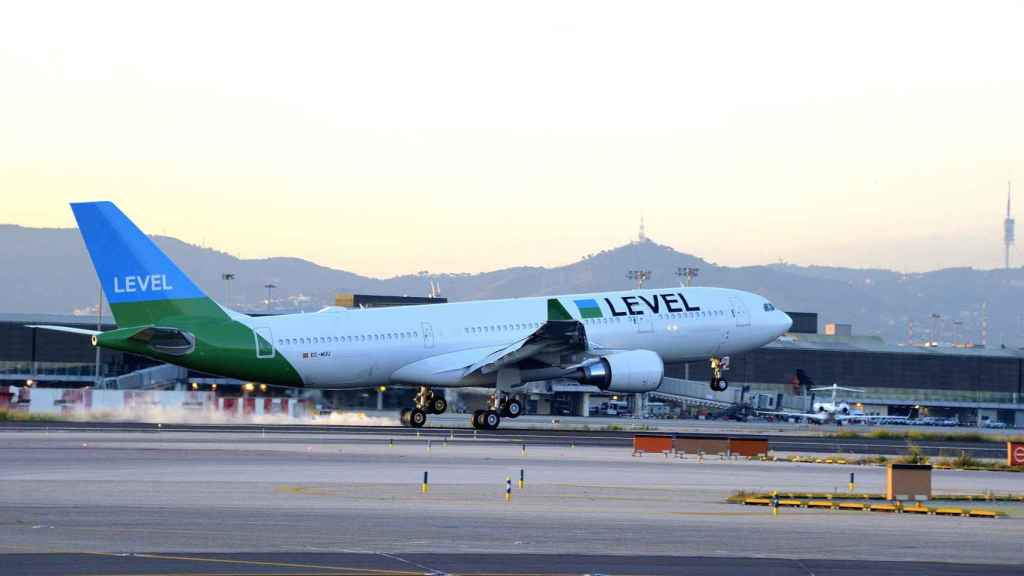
(876,460)
(926,435)
(20,416)
(914,455)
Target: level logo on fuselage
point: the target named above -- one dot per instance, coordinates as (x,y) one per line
(147,283)
(666,302)
(635,305)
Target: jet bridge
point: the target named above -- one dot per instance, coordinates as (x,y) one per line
(693,393)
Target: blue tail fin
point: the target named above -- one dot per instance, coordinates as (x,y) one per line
(131,268)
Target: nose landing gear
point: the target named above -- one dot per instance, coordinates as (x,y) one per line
(718,382)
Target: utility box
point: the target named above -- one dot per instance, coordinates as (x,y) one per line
(909,482)
(1015,453)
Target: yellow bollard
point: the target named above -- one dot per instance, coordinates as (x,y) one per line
(522,478)
(851,485)
(775,503)
(426,485)
(508,489)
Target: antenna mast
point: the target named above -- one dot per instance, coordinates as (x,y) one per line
(1008,227)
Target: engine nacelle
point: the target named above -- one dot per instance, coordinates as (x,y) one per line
(633,371)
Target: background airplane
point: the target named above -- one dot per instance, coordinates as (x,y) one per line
(617,341)
(837,411)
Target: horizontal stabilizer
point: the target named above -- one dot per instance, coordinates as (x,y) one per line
(165,340)
(82,331)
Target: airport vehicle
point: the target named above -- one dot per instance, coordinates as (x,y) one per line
(617,341)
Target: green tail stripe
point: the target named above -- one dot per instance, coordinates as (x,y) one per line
(556,311)
(166,312)
(223,346)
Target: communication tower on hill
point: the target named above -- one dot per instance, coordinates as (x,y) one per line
(1008,228)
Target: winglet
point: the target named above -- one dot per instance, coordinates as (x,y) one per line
(556,311)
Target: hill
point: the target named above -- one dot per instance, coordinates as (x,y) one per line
(48,271)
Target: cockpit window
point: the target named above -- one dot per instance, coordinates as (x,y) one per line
(768,307)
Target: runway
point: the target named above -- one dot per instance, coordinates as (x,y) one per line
(269,502)
(808,442)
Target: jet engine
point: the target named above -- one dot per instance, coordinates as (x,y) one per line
(632,371)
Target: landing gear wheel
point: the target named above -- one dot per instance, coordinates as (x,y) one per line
(417,418)
(477,420)
(719,365)
(438,405)
(512,409)
(404,418)
(490,419)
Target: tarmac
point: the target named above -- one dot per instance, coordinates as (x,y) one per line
(536,430)
(261,502)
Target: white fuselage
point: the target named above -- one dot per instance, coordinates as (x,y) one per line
(354,348)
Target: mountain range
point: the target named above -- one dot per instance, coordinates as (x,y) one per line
(47,270)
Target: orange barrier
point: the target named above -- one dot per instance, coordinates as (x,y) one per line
(748,446)
(652,443)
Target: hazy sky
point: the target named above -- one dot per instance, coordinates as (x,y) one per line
(392,137)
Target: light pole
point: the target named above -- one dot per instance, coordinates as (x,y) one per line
(936,318)
(227,277)
(640,276)
(269,287)
(99,328)
(688,274)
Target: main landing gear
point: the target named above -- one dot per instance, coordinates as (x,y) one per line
(718,383)
(426,403)
(502,405)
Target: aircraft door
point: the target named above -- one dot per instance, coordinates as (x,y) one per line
(739,311)
(644,324)
(264,342)
(428,335)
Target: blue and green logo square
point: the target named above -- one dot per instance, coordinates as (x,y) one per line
(588,308)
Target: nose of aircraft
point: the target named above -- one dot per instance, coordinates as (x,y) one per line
(785,322)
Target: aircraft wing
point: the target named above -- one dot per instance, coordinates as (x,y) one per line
(813,416)
(553,339)
(559,342)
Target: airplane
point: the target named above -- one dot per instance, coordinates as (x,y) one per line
(833,407)
(826,412)
(618,341)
